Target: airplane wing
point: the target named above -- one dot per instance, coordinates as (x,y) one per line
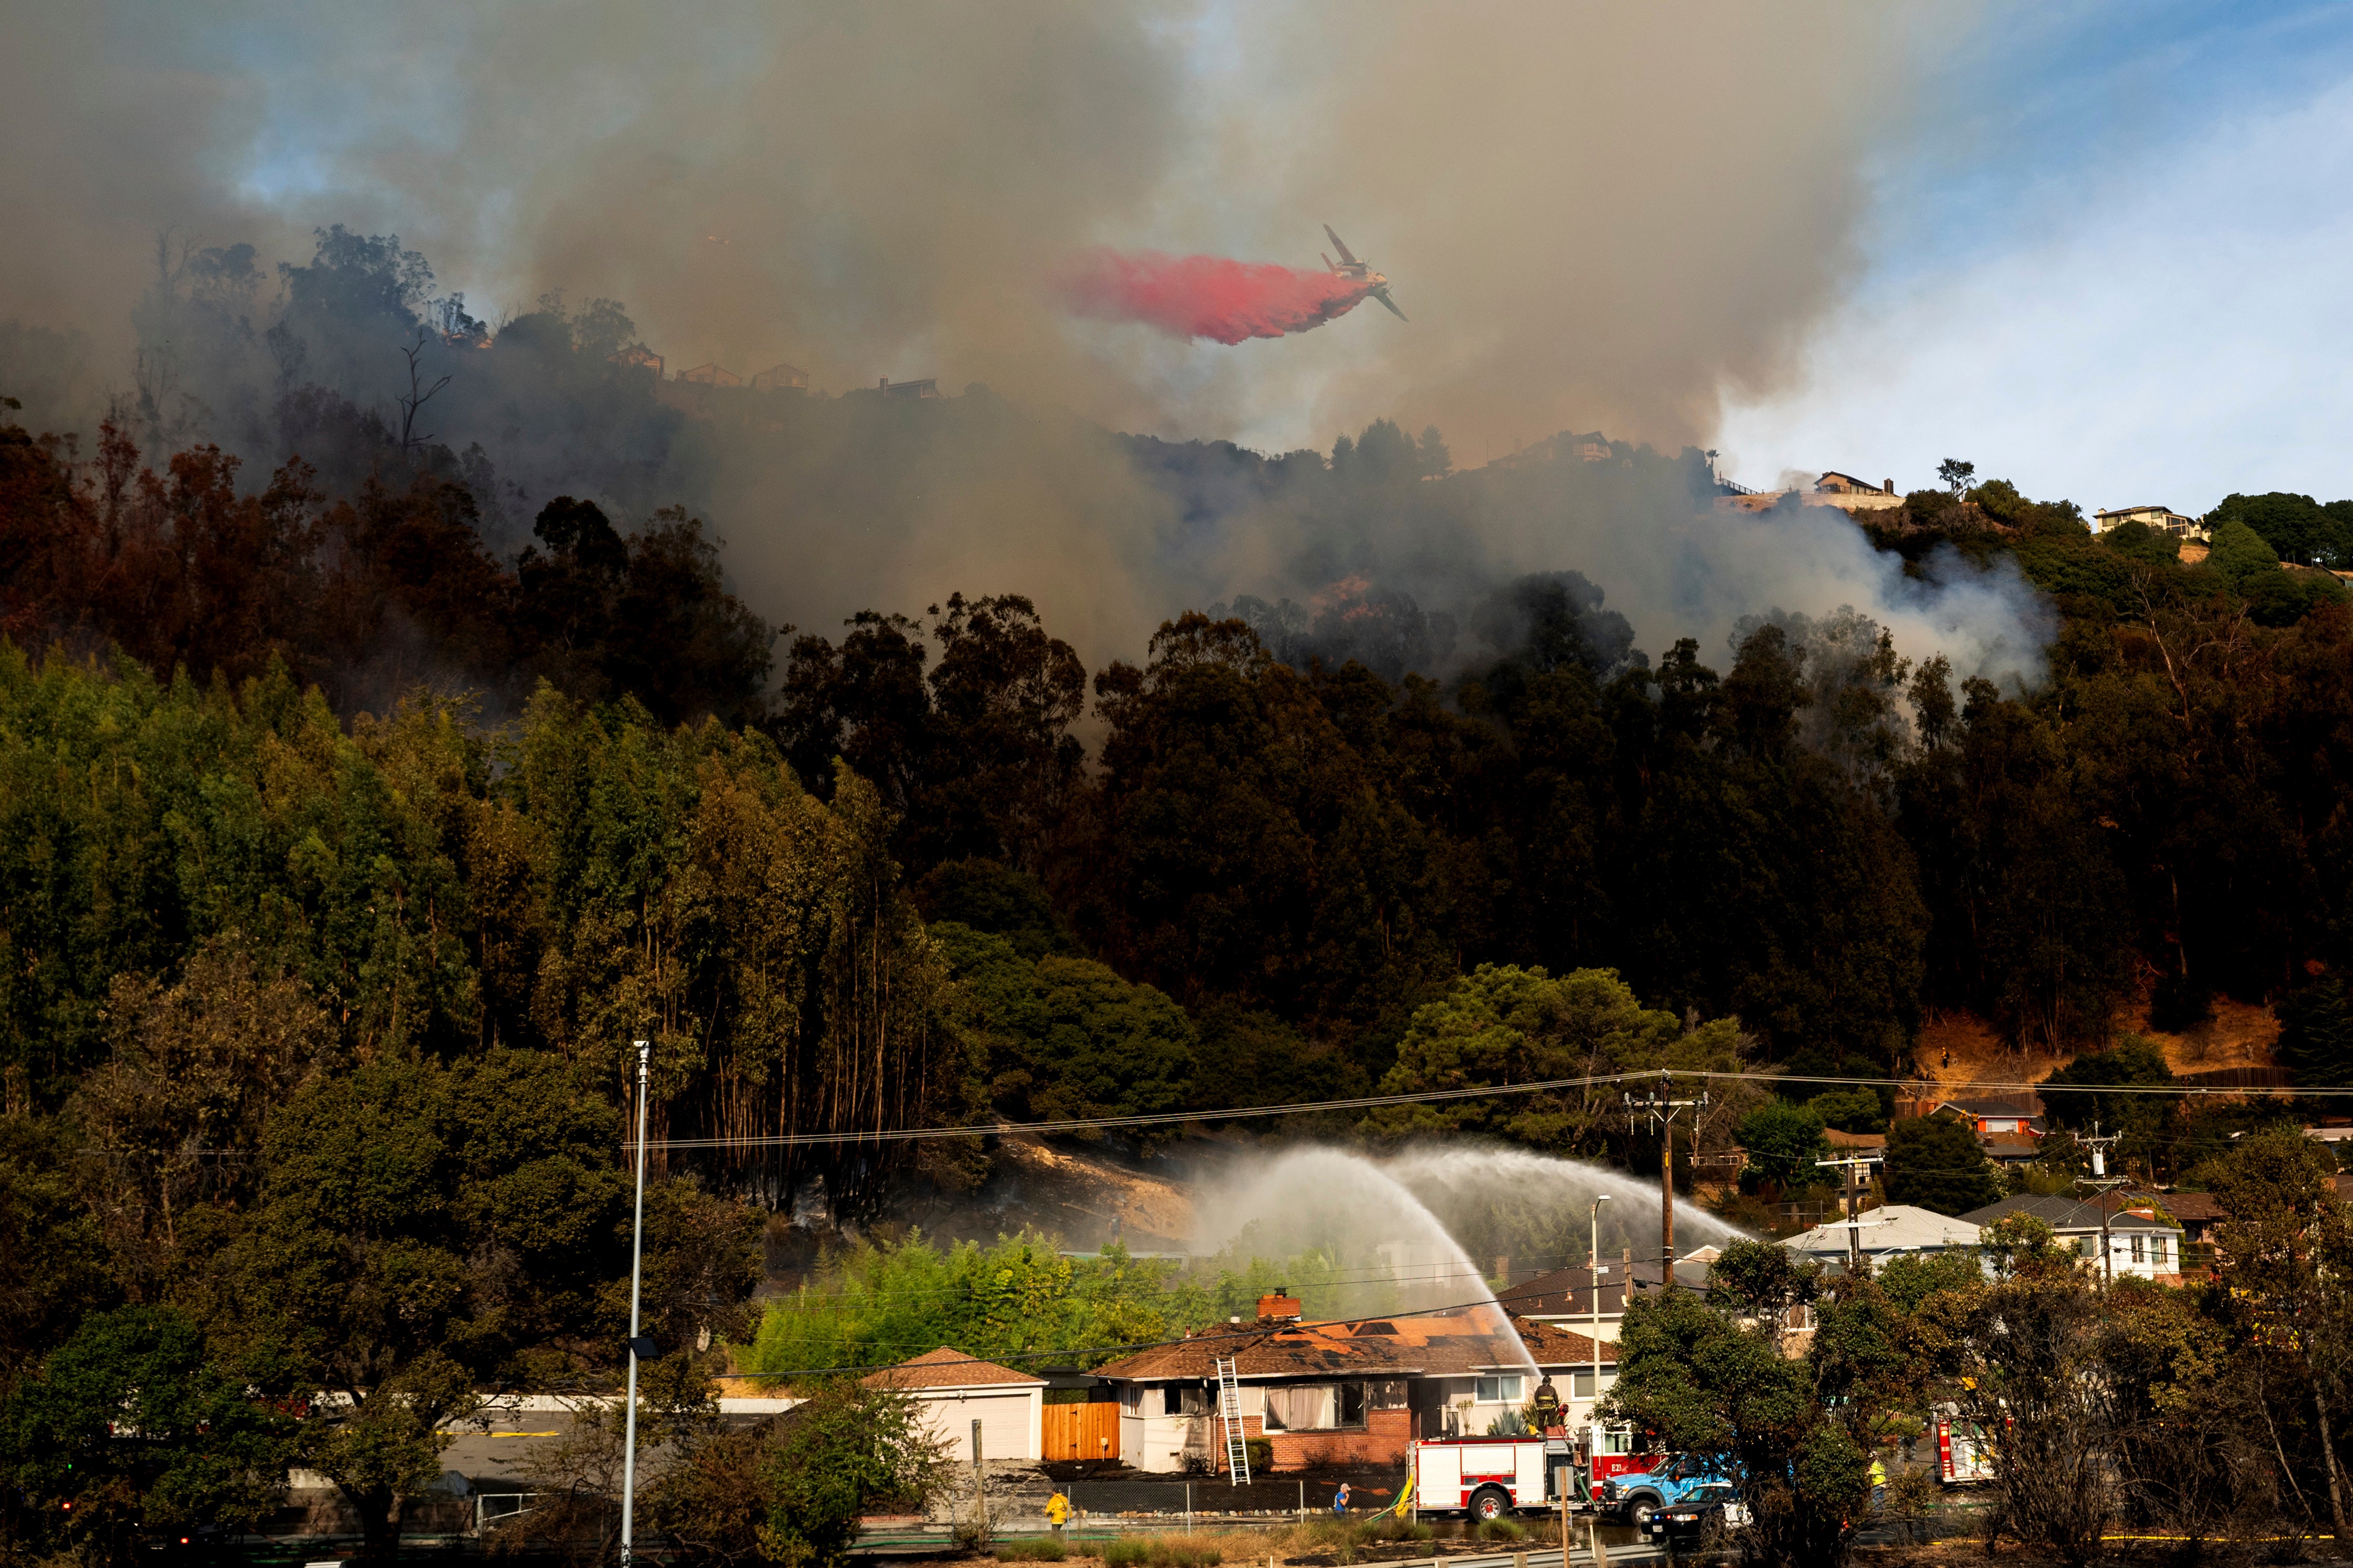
(1340,246)
(1383,296)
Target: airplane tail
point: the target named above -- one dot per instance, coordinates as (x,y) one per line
(1327,263)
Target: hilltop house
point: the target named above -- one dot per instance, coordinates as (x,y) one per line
(1347,1392)
(2156,518)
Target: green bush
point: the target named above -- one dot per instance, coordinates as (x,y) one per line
(1262,1455)
(1502,1530)
(1032,1552)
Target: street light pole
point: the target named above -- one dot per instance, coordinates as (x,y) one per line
(1593,1410)
(636,1271)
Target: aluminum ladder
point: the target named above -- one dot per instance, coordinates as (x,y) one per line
(1229,1424)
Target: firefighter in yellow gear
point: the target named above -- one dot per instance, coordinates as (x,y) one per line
(1058,1512)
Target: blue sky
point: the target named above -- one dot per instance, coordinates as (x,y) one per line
(2109,260)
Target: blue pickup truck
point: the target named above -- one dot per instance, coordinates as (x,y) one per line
(1635,1498)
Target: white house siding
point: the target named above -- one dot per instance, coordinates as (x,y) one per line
(2151,1262)
(1152,1441)
(1577,1409)
(1011,1420)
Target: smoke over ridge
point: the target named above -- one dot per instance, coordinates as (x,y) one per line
(1601,224)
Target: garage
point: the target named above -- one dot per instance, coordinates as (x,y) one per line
(956,1390)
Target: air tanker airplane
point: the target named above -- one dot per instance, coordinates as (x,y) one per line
(1362,272)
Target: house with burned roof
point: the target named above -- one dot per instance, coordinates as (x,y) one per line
(1353,1392)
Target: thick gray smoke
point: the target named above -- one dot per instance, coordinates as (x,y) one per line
(1596,218)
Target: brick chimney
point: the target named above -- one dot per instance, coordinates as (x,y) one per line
(1280,1307)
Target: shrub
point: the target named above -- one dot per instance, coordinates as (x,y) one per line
(1032,1552)
(1149,1551)
(1502,1530)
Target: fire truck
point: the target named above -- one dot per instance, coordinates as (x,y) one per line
(1963,1456)
(1486,1477)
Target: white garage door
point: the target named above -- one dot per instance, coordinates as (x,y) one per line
(1004,1423)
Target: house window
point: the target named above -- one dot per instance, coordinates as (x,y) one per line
(2090,1246)
(2158,1247)
(1316,1408)
(1131,1399)
(1386,1393)
(2139,1250)
(1502,1390)
(1184,1399)
(1580,1385)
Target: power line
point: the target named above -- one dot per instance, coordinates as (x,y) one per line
(1440,1096)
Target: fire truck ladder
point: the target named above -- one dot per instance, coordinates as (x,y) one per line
(1229,1425)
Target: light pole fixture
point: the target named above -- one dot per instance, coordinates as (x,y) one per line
(637,1345)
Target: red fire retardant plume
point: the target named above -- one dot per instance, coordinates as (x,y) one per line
(1204,296)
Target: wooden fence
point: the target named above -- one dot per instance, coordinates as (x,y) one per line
(1080,1432)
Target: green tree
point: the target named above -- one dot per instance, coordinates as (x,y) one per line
(1064,1038)
(2288,1243)
(2241,555)
(1502,1024)
(132,1424)
(1850,1111)
(2316,1039)
(1783,1142)
(1933,1161)
(52,1267)
(2026,1361)
(1791,1430)
(426,1231)
(792,1490)
(1955,475)
(177,1107)
(992,897)
(2297,527)
(1109,1047)
(2073,1101)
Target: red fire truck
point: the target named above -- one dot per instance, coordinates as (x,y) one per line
(1486,1477)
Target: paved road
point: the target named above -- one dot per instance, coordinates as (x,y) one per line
(497,1453)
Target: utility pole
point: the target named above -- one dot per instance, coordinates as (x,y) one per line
(980,1493)
(1850,1192)
(2102,1183)
(1662,1113)
(638,1345)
